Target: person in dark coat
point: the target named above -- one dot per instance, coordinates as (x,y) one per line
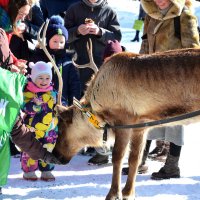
(141,16)
(49,9)
(56,37)
(105,26)
(23,45)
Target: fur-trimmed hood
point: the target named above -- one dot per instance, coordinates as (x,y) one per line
(152,10)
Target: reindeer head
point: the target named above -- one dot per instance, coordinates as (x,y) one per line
(75,132)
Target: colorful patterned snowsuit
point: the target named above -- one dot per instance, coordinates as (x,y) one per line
(38,108)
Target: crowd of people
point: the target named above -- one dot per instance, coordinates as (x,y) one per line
(27,105)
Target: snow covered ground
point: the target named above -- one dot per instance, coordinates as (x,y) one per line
(78,181)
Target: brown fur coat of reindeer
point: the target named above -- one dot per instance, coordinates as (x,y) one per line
(129,89)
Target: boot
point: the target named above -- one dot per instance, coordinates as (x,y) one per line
(98,159)
(90,151)
(125,170)
(157,150)
(170,169)
(30,176)
(47,176)
(143,168)
(136,38)
(162,156)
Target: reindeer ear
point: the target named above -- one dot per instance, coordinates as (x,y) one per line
(64,113)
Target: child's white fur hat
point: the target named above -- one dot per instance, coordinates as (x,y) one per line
(39,68)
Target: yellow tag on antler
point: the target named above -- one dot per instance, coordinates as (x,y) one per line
(93,120)
(91,117)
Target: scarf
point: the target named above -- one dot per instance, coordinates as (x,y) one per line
(33,88)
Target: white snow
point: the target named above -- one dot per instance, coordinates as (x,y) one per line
(78,181)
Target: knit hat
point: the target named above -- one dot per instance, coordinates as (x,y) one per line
(56,26)
(40,68)
(112,46)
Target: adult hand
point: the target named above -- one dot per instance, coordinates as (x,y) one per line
(14,68)
(94,29)
(83,29)
(21,64)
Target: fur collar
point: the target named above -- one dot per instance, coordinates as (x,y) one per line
(153,11)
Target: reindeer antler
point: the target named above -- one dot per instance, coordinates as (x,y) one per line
(91,64)
(42,43)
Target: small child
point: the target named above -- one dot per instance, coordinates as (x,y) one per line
(39,102)
(56,39)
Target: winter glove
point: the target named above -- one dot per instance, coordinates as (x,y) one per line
(50,158)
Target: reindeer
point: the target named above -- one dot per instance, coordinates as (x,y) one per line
(129,89)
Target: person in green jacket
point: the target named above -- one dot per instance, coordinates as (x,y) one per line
(11,101)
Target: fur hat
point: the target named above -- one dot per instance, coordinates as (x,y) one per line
(56,26)
(39,68)
(112,46)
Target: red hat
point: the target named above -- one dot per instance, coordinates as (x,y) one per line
(112,47)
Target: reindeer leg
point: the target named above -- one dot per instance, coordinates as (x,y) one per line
(119,149)
(136,148)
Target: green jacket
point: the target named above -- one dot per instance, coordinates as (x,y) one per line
(11,100)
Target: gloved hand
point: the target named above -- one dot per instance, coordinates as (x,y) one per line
(50,158)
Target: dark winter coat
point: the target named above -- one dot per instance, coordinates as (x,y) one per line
(55,7)
(71,81)
(23,49)
(106,18)
(142,14)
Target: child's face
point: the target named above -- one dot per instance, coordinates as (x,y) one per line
(43,81)
(57,42)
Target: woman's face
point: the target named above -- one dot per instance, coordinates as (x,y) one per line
(22,13)
(162,4)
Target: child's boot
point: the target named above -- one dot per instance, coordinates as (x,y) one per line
(47,176)
(30,176)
